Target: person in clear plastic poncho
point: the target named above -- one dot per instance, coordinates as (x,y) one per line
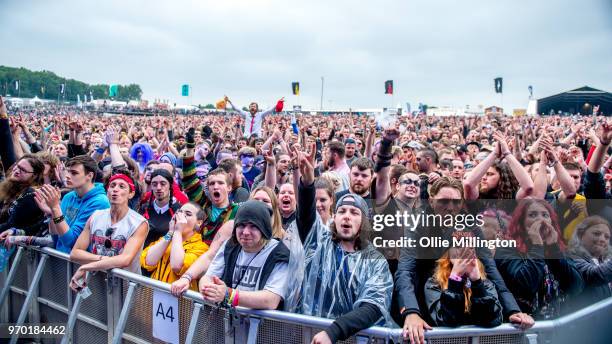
(344,278)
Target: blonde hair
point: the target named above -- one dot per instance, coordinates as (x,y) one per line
(333,179)
(443,271)
(277,223)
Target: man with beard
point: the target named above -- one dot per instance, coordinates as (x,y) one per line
(69,217)
(351,153)
(361,176)
(253,119)
(416,265)
(345,278)
(333,160)
(18,207)
(238,194)
(427,163)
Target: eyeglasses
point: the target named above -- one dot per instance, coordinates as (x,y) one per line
(108,234)
(23,170)
(414,182)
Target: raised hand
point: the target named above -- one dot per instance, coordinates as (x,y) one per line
(41,201)
(606,134)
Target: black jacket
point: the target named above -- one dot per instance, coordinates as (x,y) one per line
(527,273)
(23,213)
(596,277)
(447,307)
(415,267)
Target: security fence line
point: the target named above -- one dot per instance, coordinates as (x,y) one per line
(120,310)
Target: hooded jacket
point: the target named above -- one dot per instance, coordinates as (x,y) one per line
(77,211)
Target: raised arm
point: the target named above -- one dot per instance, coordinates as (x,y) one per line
(597,158)
(383,166)
(470,184)
(524,180)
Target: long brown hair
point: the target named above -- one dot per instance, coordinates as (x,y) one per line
(10,189)
(443,271)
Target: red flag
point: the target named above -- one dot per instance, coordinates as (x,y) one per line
(279,105)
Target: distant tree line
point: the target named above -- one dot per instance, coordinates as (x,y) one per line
(47,85)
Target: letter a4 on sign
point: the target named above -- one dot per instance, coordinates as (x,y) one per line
(165,317)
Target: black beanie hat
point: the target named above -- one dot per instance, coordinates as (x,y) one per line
(257,213)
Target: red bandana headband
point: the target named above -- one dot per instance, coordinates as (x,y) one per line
(124,178)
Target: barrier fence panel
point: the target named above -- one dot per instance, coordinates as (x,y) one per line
(120,307)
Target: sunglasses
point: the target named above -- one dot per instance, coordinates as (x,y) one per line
(414,182)
(108,234)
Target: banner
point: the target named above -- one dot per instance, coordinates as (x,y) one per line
(62,88)
(185,90)
(113,90)
(530,88)
(498,85)
(91,95)
(42,90)
(389,87)
(295,87)
(16,85)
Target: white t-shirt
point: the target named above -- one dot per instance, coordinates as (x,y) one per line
(247,272)
(119,233)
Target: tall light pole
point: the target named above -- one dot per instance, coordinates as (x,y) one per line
(321,104)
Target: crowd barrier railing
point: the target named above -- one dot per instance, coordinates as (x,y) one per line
(36,289)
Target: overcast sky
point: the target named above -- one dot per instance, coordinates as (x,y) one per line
(442,52)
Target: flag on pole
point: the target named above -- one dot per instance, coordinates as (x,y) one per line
(185,90)
(85,97)
(389,87)
(78,99)
(112,90)
(62,88)
(91,95)
(498,85)
(295,87)
(42,90)
(408,109)
(221,104)
(530,88)
(595,109)
(16,85)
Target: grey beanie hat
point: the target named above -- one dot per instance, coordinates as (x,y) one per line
(356,201)
(257,213)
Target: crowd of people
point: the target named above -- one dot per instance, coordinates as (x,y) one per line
(273,210)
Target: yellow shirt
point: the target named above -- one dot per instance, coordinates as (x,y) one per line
(194,247)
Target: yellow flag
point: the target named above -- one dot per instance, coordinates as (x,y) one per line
(221,104)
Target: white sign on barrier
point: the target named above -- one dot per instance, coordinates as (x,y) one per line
(165,317)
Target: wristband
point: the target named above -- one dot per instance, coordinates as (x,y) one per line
(168,236)
(187,276)
(236,298)
(58,219)
(456,278)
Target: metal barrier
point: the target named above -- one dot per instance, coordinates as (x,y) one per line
(120,310)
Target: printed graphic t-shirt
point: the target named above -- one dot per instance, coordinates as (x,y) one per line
(120,233)
(247,272)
